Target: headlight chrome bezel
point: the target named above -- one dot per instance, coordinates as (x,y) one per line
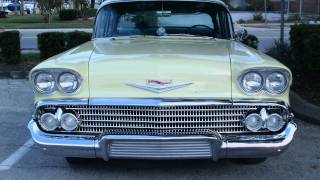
(264,73)
(61,89)
(42,91)
(242,80)
(56,73)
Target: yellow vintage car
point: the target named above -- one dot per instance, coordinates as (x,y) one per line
(162,79)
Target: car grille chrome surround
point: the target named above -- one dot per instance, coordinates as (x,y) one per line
(163,120)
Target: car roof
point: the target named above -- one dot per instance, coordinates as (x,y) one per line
(106,2)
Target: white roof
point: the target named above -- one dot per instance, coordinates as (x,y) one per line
(106,2)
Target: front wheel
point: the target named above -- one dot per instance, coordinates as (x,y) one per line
(250,161)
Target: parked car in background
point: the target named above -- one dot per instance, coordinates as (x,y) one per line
(162,80)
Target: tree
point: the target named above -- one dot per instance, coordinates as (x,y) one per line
(93,2)
(47,8)
(22,7)
(257,5)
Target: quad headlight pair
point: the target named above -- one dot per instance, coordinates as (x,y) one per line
(65,81)
(51,122)
(273,81)
(273,122)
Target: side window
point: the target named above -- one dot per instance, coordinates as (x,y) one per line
(222,20)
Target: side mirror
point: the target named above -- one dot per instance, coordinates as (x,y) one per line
(241,34)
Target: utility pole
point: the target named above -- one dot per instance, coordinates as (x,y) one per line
(300,10)
(265,11)
(282,22)
(318,7)
(289,7)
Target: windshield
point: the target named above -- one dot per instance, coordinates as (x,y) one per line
(163,19)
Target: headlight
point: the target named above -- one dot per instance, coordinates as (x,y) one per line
(49,122)
(68,82)
(44,83)
(48,81)
(275,122)
(69,122)
(270,80)
(276,83)
(253,122)
(252,82)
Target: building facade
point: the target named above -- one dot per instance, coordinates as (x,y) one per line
(305,7)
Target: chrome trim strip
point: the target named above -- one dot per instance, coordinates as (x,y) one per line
(62,102)
(85,146)
(157,102)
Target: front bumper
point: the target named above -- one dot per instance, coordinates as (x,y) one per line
(163,147)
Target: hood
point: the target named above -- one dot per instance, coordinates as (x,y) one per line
(107,67)
(126,67)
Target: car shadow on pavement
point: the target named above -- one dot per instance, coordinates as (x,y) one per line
(119,165)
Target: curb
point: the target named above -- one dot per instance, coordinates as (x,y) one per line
(14,75)
(303,109)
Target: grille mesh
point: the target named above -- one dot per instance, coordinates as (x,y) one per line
(157,149)
(159,120)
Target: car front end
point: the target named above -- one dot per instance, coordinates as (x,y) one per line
(165,96)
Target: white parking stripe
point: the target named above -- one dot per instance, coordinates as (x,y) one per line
(16,156)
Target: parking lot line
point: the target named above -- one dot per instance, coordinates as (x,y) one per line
(16,156)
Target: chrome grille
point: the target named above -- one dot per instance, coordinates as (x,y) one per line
(161,120)
(158,149)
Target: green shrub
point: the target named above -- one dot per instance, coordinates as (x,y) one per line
(68,14)
(294,17)
(3,14)
(10,47)
(251,40)
(258,17)
(241,21)
(305,43)
(76,38)
(283,53)
(91,12)
(87,13)
(51,43)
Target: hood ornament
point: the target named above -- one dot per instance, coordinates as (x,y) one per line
(158,86)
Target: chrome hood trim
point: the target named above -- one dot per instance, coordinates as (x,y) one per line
(157,102)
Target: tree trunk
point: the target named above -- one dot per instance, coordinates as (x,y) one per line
(93,2)
(22,8)
(15,6)
(48,18)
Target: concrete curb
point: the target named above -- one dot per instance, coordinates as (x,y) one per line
(303,109)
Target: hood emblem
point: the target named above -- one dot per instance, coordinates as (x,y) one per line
(158,86)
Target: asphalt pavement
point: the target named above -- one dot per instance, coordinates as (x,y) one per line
(20,158)
(266,36)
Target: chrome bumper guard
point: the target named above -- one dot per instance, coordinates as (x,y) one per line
(158,147)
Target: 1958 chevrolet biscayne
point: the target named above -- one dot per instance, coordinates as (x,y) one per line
(162,79)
